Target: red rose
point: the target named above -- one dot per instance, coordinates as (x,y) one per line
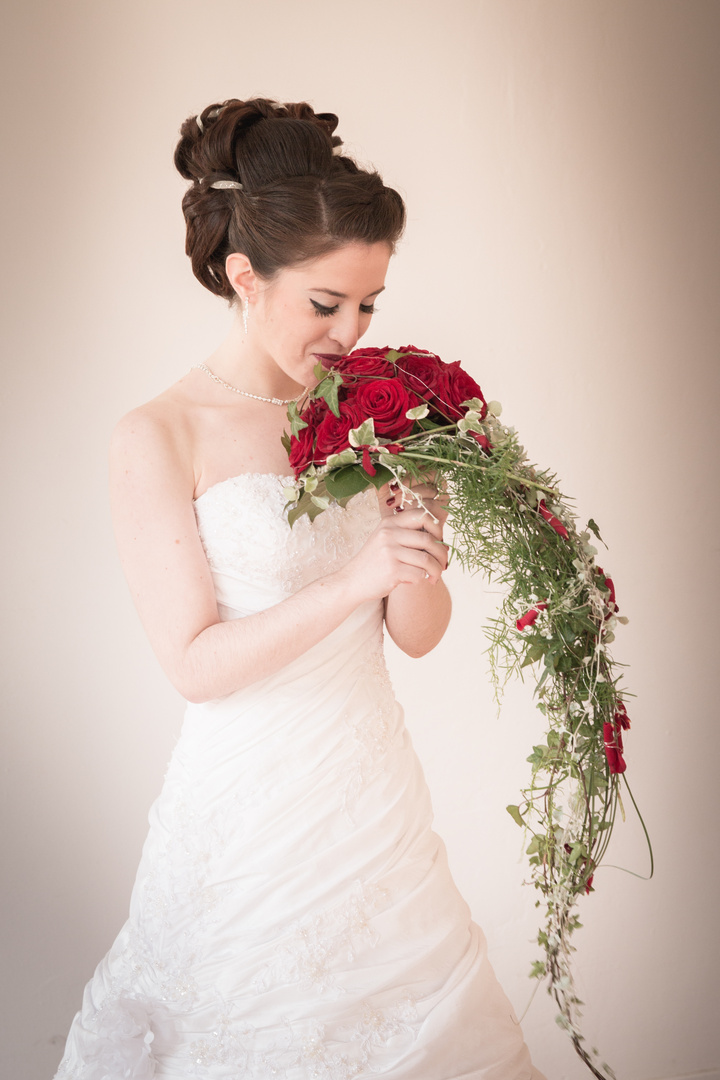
(365,367)
(530,616)
(333,431)
(613,748)
(621,717)
(421,374)
(481,439)
(301,445)
(337,360)
(610,586)
(368,352)
(457,386)
(552,520)
(386,401)
(621,720)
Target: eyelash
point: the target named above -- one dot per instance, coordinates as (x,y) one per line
(324,312)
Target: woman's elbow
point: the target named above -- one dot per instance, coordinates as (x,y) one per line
(192,681)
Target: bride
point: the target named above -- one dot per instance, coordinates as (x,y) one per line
(293,914)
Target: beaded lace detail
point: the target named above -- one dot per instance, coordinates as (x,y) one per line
(245,533)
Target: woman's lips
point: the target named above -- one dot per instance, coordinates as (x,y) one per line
(328,356)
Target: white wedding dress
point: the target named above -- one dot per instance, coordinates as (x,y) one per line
(293,915)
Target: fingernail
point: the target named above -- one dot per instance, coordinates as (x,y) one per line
(398,510)
(390,501)
(394,485)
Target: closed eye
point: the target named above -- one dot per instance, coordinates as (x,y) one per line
(324,312)
(320,309)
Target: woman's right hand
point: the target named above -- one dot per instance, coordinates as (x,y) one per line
(405,549)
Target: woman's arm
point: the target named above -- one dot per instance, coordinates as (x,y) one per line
(417,615)
(152,487)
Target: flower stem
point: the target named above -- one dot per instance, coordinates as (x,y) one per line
(481,468)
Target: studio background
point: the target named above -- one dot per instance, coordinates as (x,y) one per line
(561,164)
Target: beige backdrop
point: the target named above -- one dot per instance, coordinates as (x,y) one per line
(561,161)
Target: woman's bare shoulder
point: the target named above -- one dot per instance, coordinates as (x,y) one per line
(156,437)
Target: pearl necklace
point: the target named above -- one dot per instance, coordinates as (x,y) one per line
(246,393)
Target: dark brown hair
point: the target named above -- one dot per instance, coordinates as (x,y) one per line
(299,200)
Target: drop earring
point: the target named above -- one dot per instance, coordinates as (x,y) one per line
(245,308)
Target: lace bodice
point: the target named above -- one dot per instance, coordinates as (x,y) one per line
(255,557)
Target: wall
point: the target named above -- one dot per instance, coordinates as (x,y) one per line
(561,164)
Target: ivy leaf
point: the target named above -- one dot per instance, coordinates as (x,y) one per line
(345,457)
(328,391)
(514,812)
(296,421)
(392,355)
(348,481)
(537,757)
(469,422)
(534,653)
(552,656)
(314,509)
(303,507)
(593,527)
(285,440)
(419,412)
(578,849)
(363,435)
(382,476)
(475,405)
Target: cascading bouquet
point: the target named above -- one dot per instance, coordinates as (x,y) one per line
(387,415)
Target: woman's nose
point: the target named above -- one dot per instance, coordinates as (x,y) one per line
(346,330)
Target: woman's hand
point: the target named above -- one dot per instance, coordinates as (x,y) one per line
(406,548)
(393,499)
(417,615)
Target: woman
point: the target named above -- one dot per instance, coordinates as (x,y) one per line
(293,913)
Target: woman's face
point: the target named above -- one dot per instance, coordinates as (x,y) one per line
(322,306)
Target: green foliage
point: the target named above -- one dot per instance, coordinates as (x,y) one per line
(347,481)
(570,804)
(327,389)
(296,421)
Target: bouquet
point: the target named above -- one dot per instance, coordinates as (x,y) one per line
(381,416)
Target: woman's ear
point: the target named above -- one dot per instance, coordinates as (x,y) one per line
(241,275)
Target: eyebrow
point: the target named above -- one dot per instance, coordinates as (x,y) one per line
(340,295)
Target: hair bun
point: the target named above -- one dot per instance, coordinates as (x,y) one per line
(271,180)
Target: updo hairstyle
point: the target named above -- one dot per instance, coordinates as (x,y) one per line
(299,199)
